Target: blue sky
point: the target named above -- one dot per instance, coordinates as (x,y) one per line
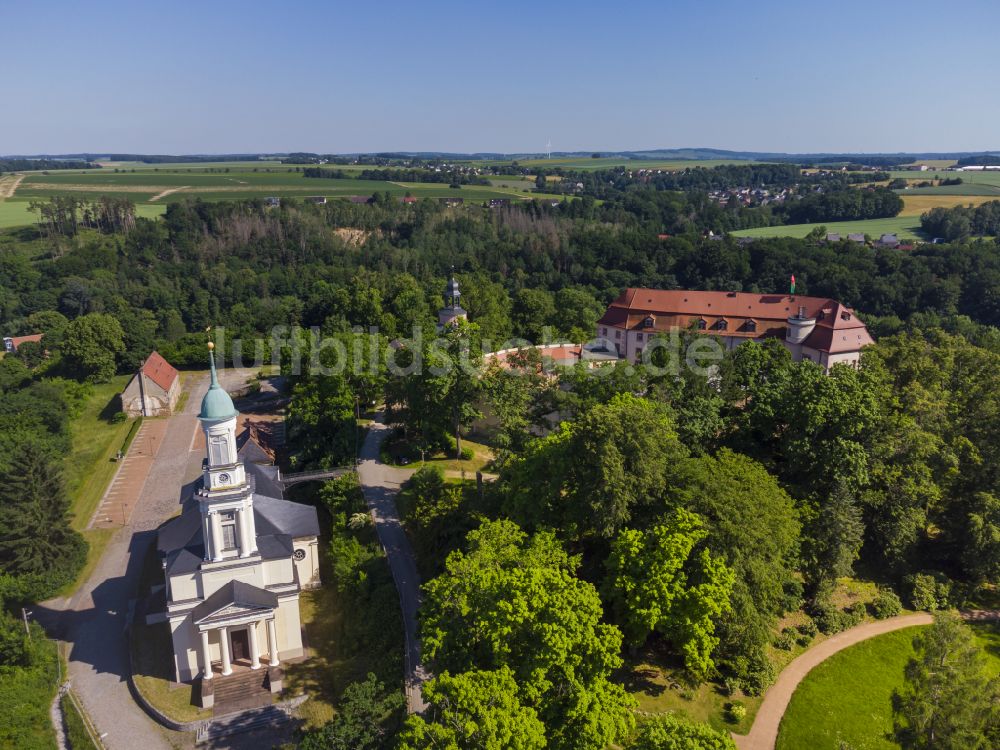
(220,76)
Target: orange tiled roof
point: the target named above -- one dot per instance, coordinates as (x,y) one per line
(746,314)
(157,369)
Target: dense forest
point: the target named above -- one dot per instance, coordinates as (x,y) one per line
(678,511)
(20,165)
(448,176)
(962,222)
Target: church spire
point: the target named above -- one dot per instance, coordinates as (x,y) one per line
(217,405)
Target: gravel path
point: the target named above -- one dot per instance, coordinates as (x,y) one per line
(764,733)
(380,484)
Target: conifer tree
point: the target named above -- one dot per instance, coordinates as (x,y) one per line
(35,535)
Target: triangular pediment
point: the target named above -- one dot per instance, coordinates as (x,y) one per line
(231,612)
(233,600)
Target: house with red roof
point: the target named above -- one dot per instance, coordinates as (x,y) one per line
(153,391)
(10,343)
(819,329)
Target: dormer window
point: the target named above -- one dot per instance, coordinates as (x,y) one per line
(845,316)
(751,326)
(648,322)
(721,325)
(702,324)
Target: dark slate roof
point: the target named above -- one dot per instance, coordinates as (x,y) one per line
(179,531)
(280,517)
(278,522)
(264,478)
(236,593)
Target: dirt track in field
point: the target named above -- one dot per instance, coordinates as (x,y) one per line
(8,185)
(167,192)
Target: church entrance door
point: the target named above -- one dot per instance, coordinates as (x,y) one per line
(241,645)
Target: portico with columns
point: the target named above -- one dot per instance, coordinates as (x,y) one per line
(235,562)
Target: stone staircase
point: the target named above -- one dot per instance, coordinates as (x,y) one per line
(241,691)
(267,717)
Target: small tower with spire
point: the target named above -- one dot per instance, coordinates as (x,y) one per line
(452,310)
(225,497)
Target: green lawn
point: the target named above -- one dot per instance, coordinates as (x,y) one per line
(152,657)
(848,698)
(398,452)
(25,696)
(77,733)
(89,469)
(906,227)
(339,632)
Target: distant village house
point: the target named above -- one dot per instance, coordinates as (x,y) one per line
(10,343)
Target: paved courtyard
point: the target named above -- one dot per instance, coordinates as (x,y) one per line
(126,488)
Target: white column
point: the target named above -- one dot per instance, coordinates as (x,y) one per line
(227,667)
(251,527)
(206,656)
(245,545)
(206,532)
(216,521)
(254,648)
(272,644)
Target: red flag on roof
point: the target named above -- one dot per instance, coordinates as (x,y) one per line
(793,284)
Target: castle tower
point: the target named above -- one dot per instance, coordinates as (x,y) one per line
(452,310)
(225,497)
(800,326)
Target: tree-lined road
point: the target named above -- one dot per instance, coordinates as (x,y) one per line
(380,484)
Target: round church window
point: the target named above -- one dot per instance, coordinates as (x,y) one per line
(299,554)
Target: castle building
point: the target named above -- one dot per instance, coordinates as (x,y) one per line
(815,328)
(235,561)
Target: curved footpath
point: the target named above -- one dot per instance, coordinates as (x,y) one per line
(380,484)
(764,733)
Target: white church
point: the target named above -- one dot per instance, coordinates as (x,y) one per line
(235,562)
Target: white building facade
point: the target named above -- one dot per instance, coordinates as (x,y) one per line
(235,562)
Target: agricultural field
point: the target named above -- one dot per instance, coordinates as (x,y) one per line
(934,163)
(906,227)
(152,186)
(916,203)
(983,181)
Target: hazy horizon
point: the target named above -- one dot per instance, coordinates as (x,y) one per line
(232,77)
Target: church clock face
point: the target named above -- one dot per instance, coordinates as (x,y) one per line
(224,478)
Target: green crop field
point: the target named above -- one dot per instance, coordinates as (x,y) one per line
(906,227)
(847,700)
(973,188)
(15,213)
(983,183)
